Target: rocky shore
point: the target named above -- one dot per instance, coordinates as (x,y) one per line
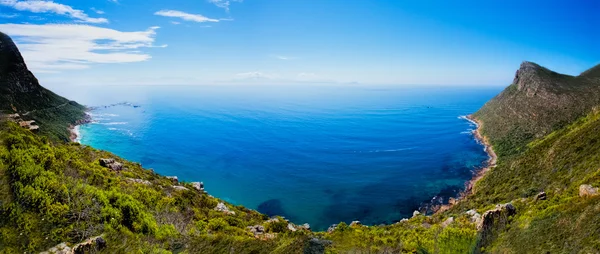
(491,162)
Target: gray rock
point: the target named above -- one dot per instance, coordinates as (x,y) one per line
(447,222)
(305,226)
(221,207)
(174,179)
(499,215)
(256,229)
(586,190)
(355,223)
(180,188)
(332,228)
(291,227)
(475,216)
(541,196)
(111,164)
(140,181)
(198,186)
(416,213)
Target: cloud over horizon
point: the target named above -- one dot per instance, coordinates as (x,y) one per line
(55,47)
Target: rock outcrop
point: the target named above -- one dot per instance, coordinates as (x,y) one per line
(221,207)
(198,186)
(493,222)
(586,190)
(91,245)
(111,164)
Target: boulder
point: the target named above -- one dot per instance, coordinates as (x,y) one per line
(447,222)
(541,196)
(305,226)
(174,179)
(140,181)
(355,223)
(475,216)
(416,213)
(332,228)
(111,164)
(257,229)
(93,244)
(586,190)
(291,227)
(59,249)
(180,188)
(198,186)
(499,215)
(221,207)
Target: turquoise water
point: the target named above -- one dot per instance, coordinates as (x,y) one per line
(315,154)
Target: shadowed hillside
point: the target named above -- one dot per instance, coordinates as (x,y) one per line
(20,92)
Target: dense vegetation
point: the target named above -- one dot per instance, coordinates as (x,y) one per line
(545,128)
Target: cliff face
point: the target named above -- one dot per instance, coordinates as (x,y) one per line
(20,92)
(538,102)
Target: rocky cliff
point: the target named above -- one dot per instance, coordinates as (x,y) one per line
(20,92)
(538,102)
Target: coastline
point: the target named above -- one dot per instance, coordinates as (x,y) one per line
(74,131)
(470,184)
(491,162)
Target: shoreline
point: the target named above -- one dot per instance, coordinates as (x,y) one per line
(490,163)
(74,131)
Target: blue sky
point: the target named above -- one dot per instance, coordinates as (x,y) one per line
(442,42)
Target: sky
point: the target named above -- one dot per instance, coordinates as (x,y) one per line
(396,42)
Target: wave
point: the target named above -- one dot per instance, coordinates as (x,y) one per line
(112,129)
(100,115)
(471,122)
(114,123)
(77,133)
(386,150)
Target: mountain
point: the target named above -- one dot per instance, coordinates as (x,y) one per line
(538,102)
(542,196)
(20,92)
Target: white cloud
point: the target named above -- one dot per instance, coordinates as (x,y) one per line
(175,22)
(114,1)
(223,3)
(185,16)
(253,75)
(51,7)
(97,11)
(53,47)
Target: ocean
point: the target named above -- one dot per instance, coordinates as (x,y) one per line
(316,154)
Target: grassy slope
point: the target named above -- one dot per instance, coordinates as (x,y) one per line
(557,164)
(538,102)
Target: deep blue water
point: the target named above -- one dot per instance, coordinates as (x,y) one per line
(316,154)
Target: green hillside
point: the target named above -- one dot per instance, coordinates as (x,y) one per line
(542,197)
(538,102)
